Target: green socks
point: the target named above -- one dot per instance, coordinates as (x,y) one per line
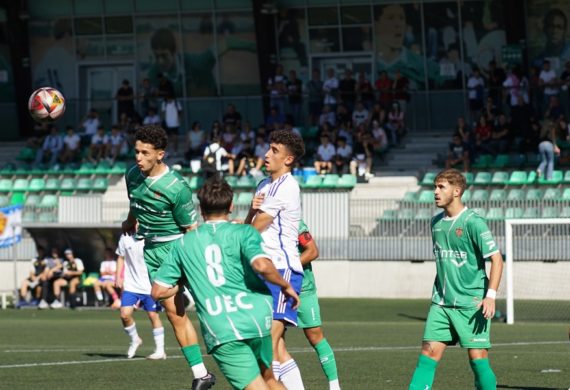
(193,356)
(326,356)
(424,374)
(484,376)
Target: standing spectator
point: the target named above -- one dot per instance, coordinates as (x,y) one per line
(512,85)
(400,88)
(384,87)
(125,99)
(295,92)
(117,145)
(51,148)
(548,81)
(33,283)
(327,116)
(196,142)
(325,155)
(171,110)
(276,86)
(343,156)
(483,133)
(496,78)
(396,123)
(547,148)
(360,116)
(365,90)
(315,92)
(72,270)
(458,153)
(147,96)
(98,147)
(71,146)
(330,88)
(476,87)
(106,281)
(347,90)
(90,125)
(152,117)
(232,117)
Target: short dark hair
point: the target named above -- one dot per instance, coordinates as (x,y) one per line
(163,39)
(215,196)
(154,135)
(292,141)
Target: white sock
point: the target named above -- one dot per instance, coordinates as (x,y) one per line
(334,385)
(158,334)
(99,295)
(132,332)
(276,368)
(291,376)
(199,370)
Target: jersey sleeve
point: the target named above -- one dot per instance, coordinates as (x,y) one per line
(482,237)
(184,212)
(121,247)
(304,235)
(252,249)
(170,271)
(276,199)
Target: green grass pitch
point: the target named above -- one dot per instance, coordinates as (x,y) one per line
(376,344)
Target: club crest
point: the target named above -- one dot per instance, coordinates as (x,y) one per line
(459,232)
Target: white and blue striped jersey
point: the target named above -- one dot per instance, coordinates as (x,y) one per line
(283,202)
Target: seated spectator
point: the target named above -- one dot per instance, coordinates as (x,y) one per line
(483,133)
(476,88)
(99,145)
(325,155)
(53,270)
(364,89)
(152,117)
(217,160)
(51,148)
(343,156)
(395,123)
(360,115)
(378,114)
(342,114)
(33,283)
(361,163)
(117,146)
(345,130)
(229,137)
(247,163)
(232,117)
(384,87)
(72,270)
(379,138)
(261,148)
(90,125)
(501,135)
(275,119)
(215,130)
(491,111)
(458,153)
(71,146)
(195,141)
(247,135)
(41,131)
(171,112)
(327,116)
(106,281)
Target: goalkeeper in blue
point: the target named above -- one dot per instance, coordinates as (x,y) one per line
(463,299)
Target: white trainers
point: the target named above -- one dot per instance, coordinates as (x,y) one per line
(133,348)
(56,304)
(157,356)
(43,304)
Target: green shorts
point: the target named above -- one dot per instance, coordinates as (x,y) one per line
(468,326)
(154,254)
(239,360)
(309,312)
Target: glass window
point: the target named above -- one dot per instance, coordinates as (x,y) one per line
(323,16)
(91,7)
(324,40)
(120,47)
(356,15)
(196,5)
(119,25)
(90,48)
(88,26)
(118,6)
(357,38)
(153,5)
(49,8)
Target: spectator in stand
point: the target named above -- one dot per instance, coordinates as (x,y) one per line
(295,93)
(347,90)
(90,125)
(491,111)
(147,96)
(125,99)
(342,114)
(400,90)
(325,155)
(345,130)
(327,116)
(106,281)
(171,110)
(553,110)
(41,131)
(548,82)
(98,147)
(378,114)
(361,163)
(247,135)
(51,148)
(547,148)
(276,86)
(379,138)
(330,88)
(232,117)
(165,87)
(217,160)
(483,133)
(315,92)
(384,87)
(466,134)
(261,147)
(520,121)
(497,77)
(512,86)
(275,119)
(396,124)
(501,135)
(152,117)
(229,137)
(565,76)
(33,283)
(216,130)
(71,146)
(458,153)
(343,156)
(117,146)
(195,141)
(365,90)
(52,271)
(476,87)
(71,277)
(247,162)
(360,116)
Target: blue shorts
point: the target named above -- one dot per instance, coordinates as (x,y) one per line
(131,299)
(282,308)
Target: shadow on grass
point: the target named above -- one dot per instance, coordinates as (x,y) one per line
(107,355)
(529,388)
(412,317)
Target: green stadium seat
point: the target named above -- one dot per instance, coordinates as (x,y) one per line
(531,212)
(246,182)
(409,196)
(26,154)
(86,168)
(18,198)
(484,161)
(566,178)
(517,160)
(514,212)
(195,182)
(347,181)
(48,200)
(480,195)
(244,198)
(533,194)
(516,194)
(552,194)
(550,212)
(557,177)
(84,184)
(480,211)
(119,168)
(423,215)
(21,185)
(5,185)
(300,179)
(468,177)
(495,214)
(32,200)
(425,196)
(103,168)
(406,214)
(231,180)
(53,184)
(330,180)
(313,181)
(501,161)
(37,185)
(467,195)
(482,179)
(498,195)
(500,178)
(531,177)
(566,195)
(517,178)
(389,215)
(565,212)
(428,178)
(4,201)
(100,184)
(68,184)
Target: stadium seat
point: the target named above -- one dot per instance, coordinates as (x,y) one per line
(495,214)
(68,184)
(516,194)
(231,180)
(517,160)
(557,177)
(467,195)
(300,179)
(5,185)
(330,181)
(103,168)
(552,194)
(21,185)
(26,154)
(18,198)
(195,182)
(313,181)
(425,196)
(566,195)
(37,185)
(100,184)
(500,178)
(514,212)
(480,195)
(409,196)
(86,168)
(533,194)
(550,212)
(4,201)
(119,168)
(406,214)
(84,184)
(246,182)
(501,161)
(32,200)
(48,200)
(483,161)
(428,178)
(531,177)
(468,177)
(566,179)
(498,195)
(517,178)
(480,211)
(531,212)
(347,181)
(389,215)
(482,179)
(423,214)
(244,198)
(53,184)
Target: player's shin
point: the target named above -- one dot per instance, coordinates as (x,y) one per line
(158,334)
(424,373)
(328,363)
(193,356)
(484,376)
(291,375)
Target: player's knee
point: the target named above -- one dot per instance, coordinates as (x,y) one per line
(314,335)
(431,350)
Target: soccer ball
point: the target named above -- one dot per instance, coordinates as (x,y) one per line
(46,104)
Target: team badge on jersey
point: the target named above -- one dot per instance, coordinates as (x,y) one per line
(459,232)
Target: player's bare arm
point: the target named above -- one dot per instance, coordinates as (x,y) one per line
(262,221)
(160,292)
(119,272)
(129,224)
(265,268)
(310,251)
(255,205)
(488,303)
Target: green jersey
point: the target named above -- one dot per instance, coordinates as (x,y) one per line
(162,204)
(232,301)
(460,245)
(308,276)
